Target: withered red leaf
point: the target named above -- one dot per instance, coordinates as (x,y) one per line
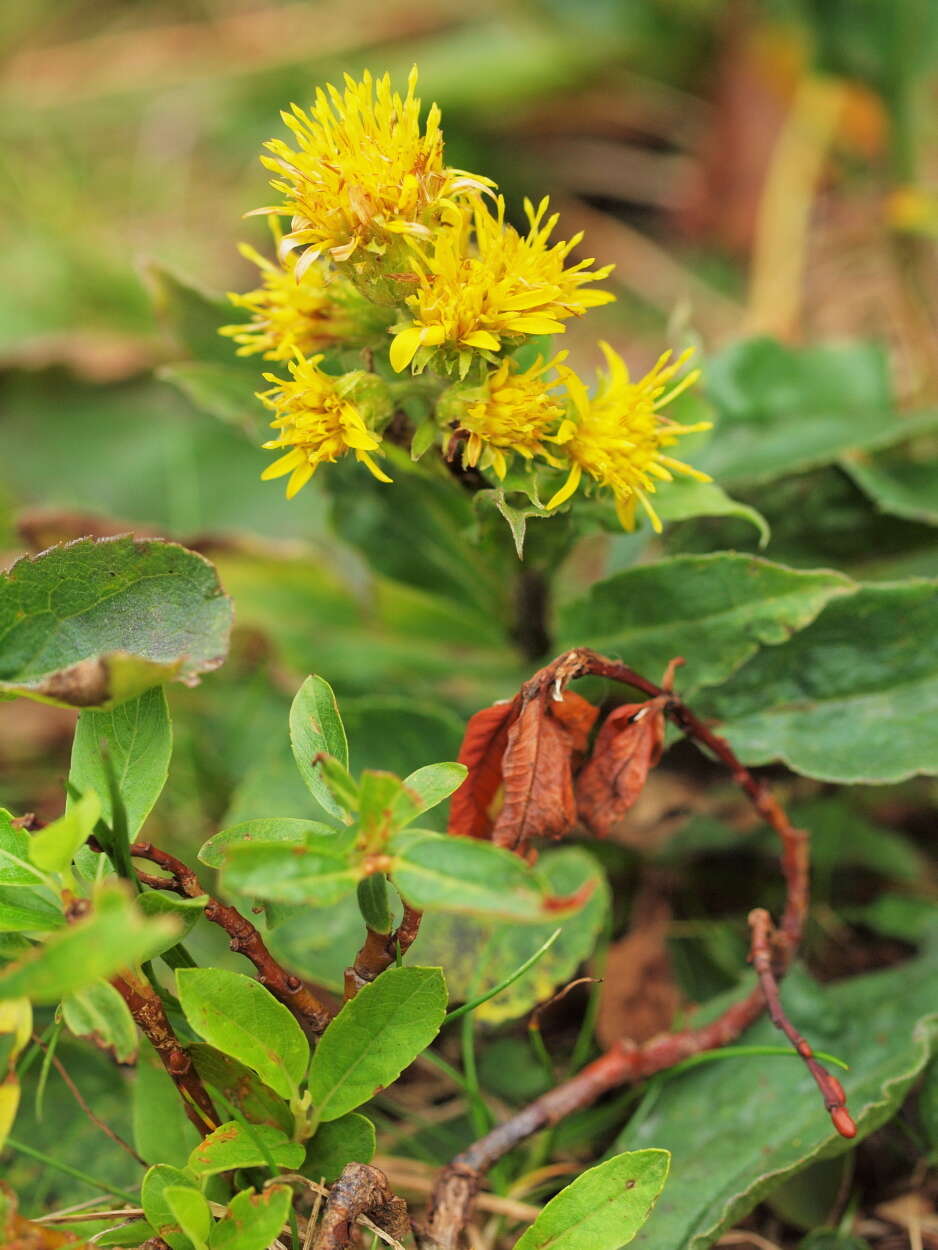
(537,775)
(577,715)
(483,747)
(627,746)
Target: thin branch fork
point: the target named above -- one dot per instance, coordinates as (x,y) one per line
(771,951)
(380,950)
(244,937)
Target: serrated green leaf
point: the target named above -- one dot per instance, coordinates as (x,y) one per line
(478,954)
(194,316)
(232,1146)
(316,729)
(716,611)
(253,1220)
(375,1036)
(139,741)
(239,1017)
(734,1140)
(684,498)
(156,1208)
(350,1139)
(113,936)
(900,486)
(851,698)
(227,391)
(96,621)
(191,1212)
(604,1207)
(440,872)
(99,1012)
(783,410)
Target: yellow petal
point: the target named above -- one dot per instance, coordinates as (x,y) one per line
(404,347)
(286,464)
(536,323)
(299,477)
(376,472)
(483,339)
(567,489)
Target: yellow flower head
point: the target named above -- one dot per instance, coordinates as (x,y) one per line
(364,170)
(513,411)
(318,419)
(508,285)
(619,435)
(286,315)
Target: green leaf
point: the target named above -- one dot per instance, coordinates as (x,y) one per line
(852,698)
(139,742)
(134,1233)
(162,1131)
(253,1220)
(96,621)
(684,498)
(350,1139)
(316,729)
(24,911)
(431,785)
(604,1207)
(256,1101)
(53,848)
(902,487)
(226,391)
(440,872)
(240,1018)
(373,902)
(194,316)
(716,611)
(16,868)
(114,936)
(156,1207)
(783,410)
(186,911)
(231,1146)
(262,831)
(317,874)
(733,1140)
(375,1036)
(99,1012)
(191,1212)
(477,953)
(928,1104)
(831,1239)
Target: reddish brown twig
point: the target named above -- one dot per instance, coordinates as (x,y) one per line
(763,935)
(360,1190)
(453,1196)
(79,1098)
(244,937)
(379,951)
(148,1011)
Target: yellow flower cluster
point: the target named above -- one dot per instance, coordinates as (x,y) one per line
(393,252)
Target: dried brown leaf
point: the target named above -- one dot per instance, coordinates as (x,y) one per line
(627,746)
(483,747)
